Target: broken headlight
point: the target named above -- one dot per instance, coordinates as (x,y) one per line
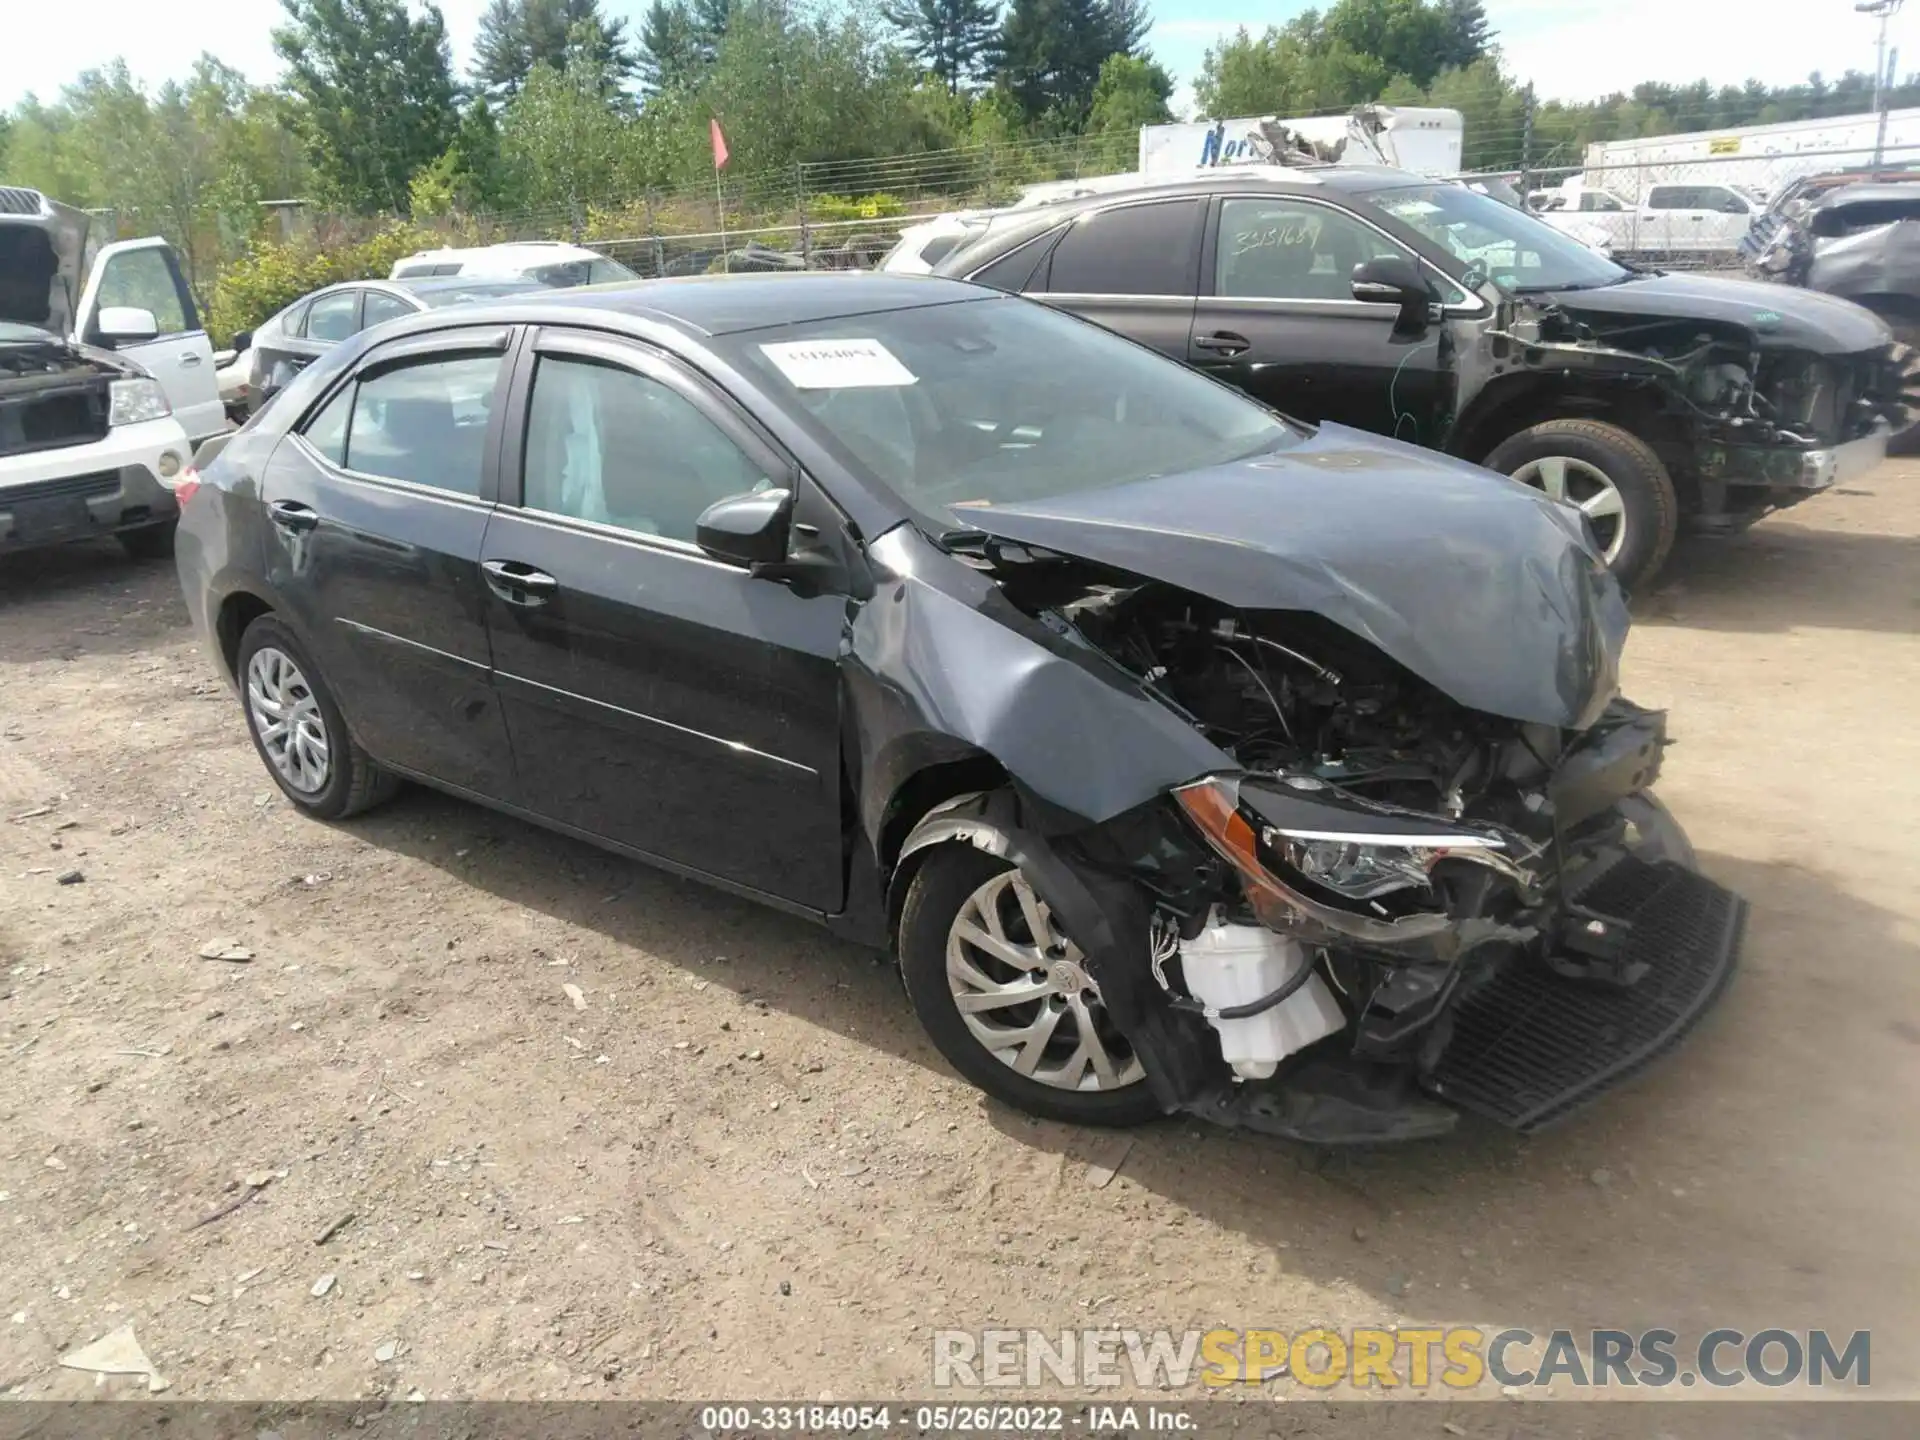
(1348,867)
(1333,877)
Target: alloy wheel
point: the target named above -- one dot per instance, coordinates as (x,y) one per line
(1585,487)
(1022,990)
(286,716)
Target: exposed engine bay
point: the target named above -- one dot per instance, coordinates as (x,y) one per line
(1384,856)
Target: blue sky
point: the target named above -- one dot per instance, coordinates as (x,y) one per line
(1571,49)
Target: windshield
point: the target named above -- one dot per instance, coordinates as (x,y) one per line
(565,274)
(993,402)
(1498,243)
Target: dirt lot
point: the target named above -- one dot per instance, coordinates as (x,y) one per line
(739,1170)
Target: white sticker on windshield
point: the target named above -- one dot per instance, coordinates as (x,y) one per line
(837,364)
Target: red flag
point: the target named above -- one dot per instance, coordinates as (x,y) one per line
(719,145)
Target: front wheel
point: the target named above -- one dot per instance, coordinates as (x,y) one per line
(1608,474)
(1006,997)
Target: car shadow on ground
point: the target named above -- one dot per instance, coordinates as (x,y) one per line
(1611,1202)
(85,599)
(1781,575)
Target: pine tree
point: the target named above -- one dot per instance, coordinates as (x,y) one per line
(1466,35)
(1051,52)
(954,39)
(516,35)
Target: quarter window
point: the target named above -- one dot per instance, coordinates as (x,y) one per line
(425,423)
(1132,250)
(613,446)
(1288,250)
(380,307)
(335,316)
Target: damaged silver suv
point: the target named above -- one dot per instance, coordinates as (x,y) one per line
(1436,315)
(1188,760)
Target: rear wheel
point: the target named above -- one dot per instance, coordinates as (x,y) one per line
(298,730)
(1612,477)
(1006,996)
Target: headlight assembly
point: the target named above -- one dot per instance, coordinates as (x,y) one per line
(1279,865)
(137,399)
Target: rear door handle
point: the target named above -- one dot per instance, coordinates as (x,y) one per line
(190,358)
(291,515)
(519,584)
(1223,342)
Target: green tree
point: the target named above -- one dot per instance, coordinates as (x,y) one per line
(1051,52)
(671,49)
(1465,34)
(953,39)
(560,141)
(1132,91)
(375,92)
(515,35)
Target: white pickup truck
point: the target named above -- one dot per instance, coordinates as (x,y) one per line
(106,381)
(1676,218)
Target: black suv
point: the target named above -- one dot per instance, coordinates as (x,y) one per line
(1427,312)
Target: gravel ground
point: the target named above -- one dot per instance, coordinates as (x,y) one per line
(395,1152)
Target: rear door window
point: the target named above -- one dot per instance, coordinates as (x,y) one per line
(425,422)
(1150,249)
(334,317)
(380,307)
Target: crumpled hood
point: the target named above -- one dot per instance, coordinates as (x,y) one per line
(1777,318)
(1481,586)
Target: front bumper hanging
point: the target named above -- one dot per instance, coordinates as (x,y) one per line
(1533,1046)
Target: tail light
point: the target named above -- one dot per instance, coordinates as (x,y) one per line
(184,487)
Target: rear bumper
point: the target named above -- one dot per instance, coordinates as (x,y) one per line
(120,483)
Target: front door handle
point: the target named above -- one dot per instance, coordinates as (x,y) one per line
(1223,342)
(519,584)
(291,515)
(190,358)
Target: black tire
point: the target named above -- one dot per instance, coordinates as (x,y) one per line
(149,542)
(354,781)
(1652,511)
(941,886)
(1905,325)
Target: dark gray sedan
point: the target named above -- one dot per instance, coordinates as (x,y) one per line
(1188,759)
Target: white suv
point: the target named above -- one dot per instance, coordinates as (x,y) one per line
(106,382)
(547,262)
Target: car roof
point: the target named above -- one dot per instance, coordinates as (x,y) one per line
(478,285)
(712,305)
(528,250)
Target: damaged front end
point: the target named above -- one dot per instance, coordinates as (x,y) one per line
(1380,906)
(1754,397)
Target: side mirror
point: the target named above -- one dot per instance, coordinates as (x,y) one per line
(751,529)
(1394,280)
(125,325)
(241,342)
